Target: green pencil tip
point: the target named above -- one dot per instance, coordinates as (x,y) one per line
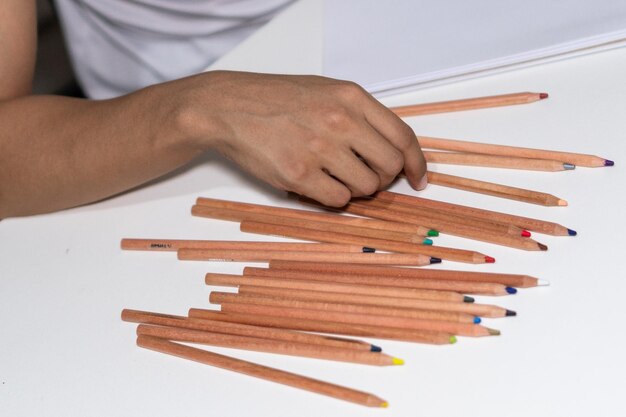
(432,233)
(452,339)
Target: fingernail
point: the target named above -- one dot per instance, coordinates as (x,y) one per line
(423,183)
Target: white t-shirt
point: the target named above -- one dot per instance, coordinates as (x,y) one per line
(119,46)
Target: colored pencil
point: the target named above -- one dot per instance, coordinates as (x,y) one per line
(496,161)
(465,287)
(462,329)
(353,299)
(439,252)
(260,371)
(175,244)
(363,330)
(146,317)
(577,159)
(429,216)
(299,284)
(259,298)
(468,104)
(511,280)
(237,211)
(535,225)
(280,347)
(493,189)
(233,255)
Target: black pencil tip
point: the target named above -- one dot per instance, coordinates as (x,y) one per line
(435,260)
(467,299)
(368,250)
(375,348)
(510,313)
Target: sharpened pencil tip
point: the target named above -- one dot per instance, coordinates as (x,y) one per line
(433,233)
(543,96)
(543,282)
(397,361)
(511,290)
(489,260)
(493,332)
(452,339)
(525,233)
(568,167)
(368,250)
(571,232)
(374,348)
(467,299)
(608,163)
(384,404)
(427,241)
(435,260)
(562,203)
(510,313)
(542,246)
(477,320)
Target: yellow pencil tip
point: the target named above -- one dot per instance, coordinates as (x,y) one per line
(384,405)
(397,361)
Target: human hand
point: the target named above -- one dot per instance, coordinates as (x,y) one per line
(319,137)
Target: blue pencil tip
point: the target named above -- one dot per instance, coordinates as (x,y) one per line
(368,250)
(571,232)
(511,290)
(477,320)
(375,348)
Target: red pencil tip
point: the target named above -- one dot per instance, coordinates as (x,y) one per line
(489,259)
(525,233)
(543,95)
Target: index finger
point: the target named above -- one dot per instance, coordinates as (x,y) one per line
(402,137)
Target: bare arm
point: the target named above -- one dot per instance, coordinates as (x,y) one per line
(319,137)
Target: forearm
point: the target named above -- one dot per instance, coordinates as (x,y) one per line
(58,152)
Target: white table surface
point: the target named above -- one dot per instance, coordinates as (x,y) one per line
(63,280)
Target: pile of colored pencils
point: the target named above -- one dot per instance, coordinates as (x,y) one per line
(351,278)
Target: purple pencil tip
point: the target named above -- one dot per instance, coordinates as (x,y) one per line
(608,163)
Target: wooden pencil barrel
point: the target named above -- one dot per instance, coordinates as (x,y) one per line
(136,316)
(400,292)
(259,371)
(280,347)
(478,288)
(234,255)
(511,280)
(414,336)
